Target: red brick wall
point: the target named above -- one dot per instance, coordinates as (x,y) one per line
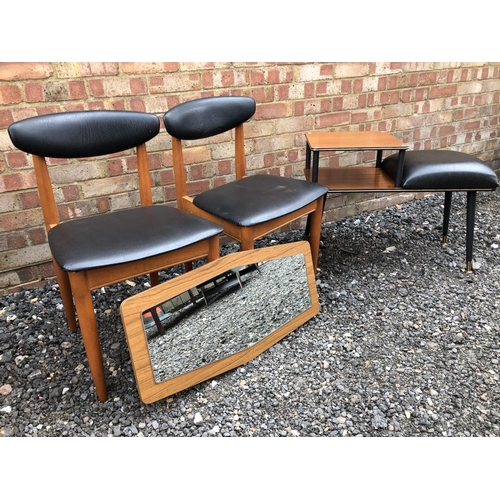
(427,105)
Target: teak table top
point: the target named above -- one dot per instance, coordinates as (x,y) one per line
(352,141)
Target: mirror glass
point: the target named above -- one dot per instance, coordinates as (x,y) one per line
(224,315)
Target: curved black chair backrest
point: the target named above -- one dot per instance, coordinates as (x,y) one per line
(208,116)
(77,134)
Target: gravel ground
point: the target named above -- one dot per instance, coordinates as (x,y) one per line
(406,344)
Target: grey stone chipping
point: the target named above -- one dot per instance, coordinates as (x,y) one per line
(406,344)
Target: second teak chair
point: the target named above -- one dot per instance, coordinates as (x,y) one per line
(250,206)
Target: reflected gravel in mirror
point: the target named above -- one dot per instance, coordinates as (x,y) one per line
(225,315)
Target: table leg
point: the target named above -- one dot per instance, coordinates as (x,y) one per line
(315,172)
(401,162)
(314,178)
(308,156)
(471,213)
(446,217)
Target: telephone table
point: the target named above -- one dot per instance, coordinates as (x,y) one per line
(356,178)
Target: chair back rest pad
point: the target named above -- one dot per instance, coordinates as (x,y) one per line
(208,116)
(78,134)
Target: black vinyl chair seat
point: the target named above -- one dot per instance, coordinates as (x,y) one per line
(442,170)
(121,237)
(258,198)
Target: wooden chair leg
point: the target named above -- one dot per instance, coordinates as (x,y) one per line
(213,249)
(307,230)
(154,278)
(446,218)
(247,242)
(66,296)
(315,231)
(88,328)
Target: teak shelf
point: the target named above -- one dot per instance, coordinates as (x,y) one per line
(357,178)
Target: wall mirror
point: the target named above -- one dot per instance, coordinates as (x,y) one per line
(217,317)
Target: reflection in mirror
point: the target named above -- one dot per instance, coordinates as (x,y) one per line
(217,316)
(224,315)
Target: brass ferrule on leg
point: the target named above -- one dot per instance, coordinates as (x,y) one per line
(445,241)
(469,266)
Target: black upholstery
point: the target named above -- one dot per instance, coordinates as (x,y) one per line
(442,170)
(258,198)
(207,117)
(125,236)
(80,134)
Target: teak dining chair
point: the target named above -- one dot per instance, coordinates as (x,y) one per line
(251,206)
(92,252)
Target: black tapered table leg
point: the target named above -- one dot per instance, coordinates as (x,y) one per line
(314,178)
(446,218)
(471,213)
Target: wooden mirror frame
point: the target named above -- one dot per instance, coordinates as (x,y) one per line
(132,310)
